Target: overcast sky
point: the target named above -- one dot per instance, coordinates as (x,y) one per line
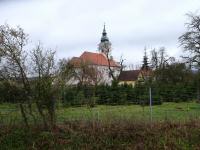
(75,26)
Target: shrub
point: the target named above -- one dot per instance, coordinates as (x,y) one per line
(79,99)
(69,95)
(11,92)
(92,101)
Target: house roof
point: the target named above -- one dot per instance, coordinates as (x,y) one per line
(130,75)
(76,61)
(146,72)
(94,59)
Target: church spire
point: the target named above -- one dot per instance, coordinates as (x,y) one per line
(104,34)
(104,28)
(105,45)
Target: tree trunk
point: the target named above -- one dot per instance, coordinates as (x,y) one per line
(24,115)
(41,114)
(51,111)
(31,112)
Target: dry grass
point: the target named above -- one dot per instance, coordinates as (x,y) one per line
(100,135)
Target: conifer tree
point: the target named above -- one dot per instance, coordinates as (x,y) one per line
(145,65)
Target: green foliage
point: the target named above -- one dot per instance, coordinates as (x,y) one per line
(92,101)
(111,95)
(15,139)
(103,93)
(176,112)
(68,96)
(73,97)
(79,99)
(11,92)
(175,83)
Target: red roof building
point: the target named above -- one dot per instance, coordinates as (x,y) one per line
(98,59)
(99,62)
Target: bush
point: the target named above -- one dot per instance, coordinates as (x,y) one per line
(11,92)
(68,96)
(79,99)
(118,135)
(103,94)
(92,101)
(125,94)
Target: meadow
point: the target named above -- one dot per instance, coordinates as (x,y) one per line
(184,111)
(174,126)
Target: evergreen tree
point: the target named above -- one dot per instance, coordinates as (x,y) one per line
(145,65)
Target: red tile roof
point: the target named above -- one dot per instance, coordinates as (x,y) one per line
(94,59)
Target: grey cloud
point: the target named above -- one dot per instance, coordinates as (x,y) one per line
(72,26)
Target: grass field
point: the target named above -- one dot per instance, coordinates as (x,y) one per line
(175,126)
(166,111)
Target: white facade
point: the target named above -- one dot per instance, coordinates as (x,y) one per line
(101,76)
(97,65)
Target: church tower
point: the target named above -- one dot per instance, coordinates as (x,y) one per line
(104,37)
(104,45)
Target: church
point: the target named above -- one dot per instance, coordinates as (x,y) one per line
(96,67)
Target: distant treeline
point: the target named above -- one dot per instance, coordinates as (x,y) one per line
(126,94)
(174,83)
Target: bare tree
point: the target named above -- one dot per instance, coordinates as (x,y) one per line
(44,72)
(87,74)
(121,63)
(154,59)
(106,48)
(190,40)
(13,65)
(159,58)
(83,72)
(66,70)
